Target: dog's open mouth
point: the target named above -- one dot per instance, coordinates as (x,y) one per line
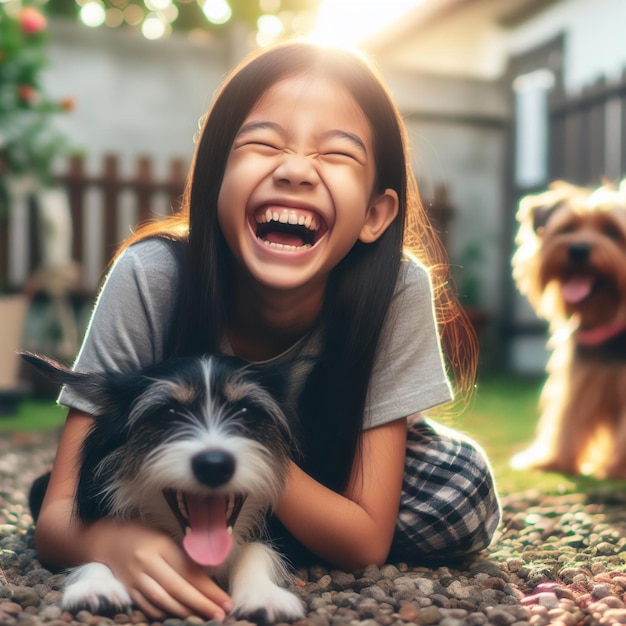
(207,521)
(287,229)
(575,289)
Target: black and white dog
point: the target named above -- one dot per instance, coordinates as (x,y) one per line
(198,447)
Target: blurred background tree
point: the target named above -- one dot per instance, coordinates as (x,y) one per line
(29,142)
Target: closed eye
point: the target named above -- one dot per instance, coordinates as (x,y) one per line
(339,153)
(260,144)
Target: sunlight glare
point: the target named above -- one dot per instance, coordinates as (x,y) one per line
(348,22)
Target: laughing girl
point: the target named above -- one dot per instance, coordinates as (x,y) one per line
(301,234)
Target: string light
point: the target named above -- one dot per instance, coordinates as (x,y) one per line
(217,11)
(155,18)
(93,14)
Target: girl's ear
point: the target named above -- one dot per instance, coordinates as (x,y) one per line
(381,213)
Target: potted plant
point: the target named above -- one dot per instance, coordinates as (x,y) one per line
(29,144)
(467,275)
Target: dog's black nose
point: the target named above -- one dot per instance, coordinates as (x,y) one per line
(579,252)
(213,467)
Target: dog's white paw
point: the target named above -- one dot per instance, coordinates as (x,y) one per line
(94,587)
(267,603)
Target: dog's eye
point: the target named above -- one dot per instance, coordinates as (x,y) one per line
(566,230)
(612,232)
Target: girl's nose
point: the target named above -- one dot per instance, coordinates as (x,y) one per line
(295,170)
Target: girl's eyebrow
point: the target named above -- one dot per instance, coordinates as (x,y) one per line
(351,137)
(259,125)
(341,134)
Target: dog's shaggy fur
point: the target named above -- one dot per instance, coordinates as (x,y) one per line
(198,447)
(571,264)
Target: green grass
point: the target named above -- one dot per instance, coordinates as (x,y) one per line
(33,415)
(502,418)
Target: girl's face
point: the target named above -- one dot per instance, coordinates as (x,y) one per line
(298,189)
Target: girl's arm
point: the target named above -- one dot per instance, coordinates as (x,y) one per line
(356,528)
(158,574)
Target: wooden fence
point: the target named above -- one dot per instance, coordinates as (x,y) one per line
(104,208)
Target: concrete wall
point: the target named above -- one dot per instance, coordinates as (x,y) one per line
(456,131)
(133,96)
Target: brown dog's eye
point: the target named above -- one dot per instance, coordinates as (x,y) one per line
(566,230)
(612,232)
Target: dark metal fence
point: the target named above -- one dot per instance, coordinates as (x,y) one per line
(588,134)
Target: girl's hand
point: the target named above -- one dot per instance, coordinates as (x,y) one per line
(161,579)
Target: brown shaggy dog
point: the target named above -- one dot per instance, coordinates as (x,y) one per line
(571,264)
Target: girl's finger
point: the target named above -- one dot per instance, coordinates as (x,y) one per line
(146,607)
(154,595)
(191,578)
(174,593)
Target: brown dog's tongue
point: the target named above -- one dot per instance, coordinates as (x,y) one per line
(207,541)
(577,289)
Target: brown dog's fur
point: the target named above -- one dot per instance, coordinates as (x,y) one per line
(570,263)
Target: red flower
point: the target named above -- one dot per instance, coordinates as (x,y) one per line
(32,21)
(27,94)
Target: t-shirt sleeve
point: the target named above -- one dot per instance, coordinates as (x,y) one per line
(127,329)
(409,374)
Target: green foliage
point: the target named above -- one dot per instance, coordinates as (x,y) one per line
(28,141)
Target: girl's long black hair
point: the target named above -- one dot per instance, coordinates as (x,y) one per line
(360,288)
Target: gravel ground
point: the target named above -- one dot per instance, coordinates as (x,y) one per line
(557,560)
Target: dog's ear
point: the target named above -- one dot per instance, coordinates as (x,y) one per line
(103,389)
(54,370)
(541,215)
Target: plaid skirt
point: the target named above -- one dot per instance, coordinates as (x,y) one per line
(449,507)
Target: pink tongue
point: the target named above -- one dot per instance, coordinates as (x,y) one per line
(286,239)
(577,289)
(207,541)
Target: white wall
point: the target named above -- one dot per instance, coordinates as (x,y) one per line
(595,42)
(133,96)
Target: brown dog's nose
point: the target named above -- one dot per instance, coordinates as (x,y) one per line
(579,252)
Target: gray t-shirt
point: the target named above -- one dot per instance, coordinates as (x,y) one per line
(128,329)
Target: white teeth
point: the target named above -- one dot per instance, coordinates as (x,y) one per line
(288,217)
(282,246)
(180,500)
(229,530)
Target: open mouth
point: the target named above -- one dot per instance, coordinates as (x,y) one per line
(207,522)
(288,229)
(579,287)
